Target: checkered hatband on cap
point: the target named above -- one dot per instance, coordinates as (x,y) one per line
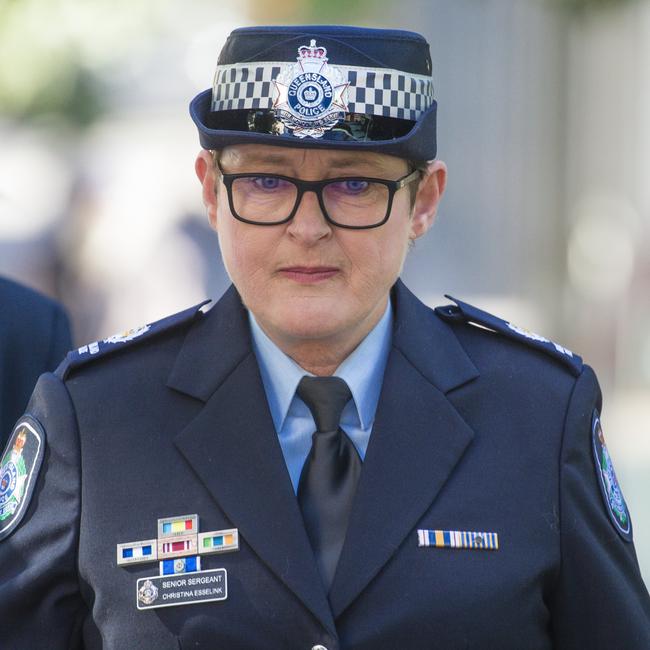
(371,91)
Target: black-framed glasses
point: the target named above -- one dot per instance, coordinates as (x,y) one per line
(355,202)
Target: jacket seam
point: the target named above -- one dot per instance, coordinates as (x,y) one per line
(560,474)
(80,493)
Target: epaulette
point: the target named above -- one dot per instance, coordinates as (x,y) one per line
(98,349)
(462,312)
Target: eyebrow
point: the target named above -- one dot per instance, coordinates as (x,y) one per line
(337,163)
(351,161)
(247,159)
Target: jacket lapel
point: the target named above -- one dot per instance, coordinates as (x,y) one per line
(417,440)
(233,448)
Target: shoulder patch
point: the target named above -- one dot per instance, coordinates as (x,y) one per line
(609,488)
(19,467)
(464,312)
(118,341)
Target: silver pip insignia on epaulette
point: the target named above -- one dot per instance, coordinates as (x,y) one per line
(464,312)
(118,341)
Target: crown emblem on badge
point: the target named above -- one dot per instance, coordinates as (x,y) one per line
(312,52)
(310,95)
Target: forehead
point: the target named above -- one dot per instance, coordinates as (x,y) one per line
(248,155)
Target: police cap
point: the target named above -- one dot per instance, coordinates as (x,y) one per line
(321,87)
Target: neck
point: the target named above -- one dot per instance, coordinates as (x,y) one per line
(322,356)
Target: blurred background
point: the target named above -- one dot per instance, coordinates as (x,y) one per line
(544,122)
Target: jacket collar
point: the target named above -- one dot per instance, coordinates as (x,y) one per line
(213,347)
(428,343)
(221,339)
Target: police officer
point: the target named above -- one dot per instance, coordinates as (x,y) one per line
(34,337)
(319,460)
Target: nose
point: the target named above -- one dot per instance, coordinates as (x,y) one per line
(309,223)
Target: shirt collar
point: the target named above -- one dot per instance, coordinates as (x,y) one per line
(363,371)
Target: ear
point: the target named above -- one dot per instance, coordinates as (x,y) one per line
(430,191)
(205,171)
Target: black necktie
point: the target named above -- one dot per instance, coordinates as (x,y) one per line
(329,477)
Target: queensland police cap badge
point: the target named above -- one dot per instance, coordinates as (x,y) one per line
(309,96)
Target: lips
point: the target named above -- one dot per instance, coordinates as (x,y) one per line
(309,274)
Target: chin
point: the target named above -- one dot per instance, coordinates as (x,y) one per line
(317,323)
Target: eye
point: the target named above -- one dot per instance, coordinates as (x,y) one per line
(268,183)
(351,186)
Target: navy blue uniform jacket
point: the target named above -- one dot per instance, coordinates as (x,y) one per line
(474,431)
(34,337)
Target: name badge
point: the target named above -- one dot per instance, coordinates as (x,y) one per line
(183,589)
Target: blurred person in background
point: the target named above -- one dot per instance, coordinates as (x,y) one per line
(34,338)
(319,461)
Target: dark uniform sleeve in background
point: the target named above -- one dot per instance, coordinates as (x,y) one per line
(34,338)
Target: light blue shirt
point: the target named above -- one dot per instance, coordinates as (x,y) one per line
(363,371)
